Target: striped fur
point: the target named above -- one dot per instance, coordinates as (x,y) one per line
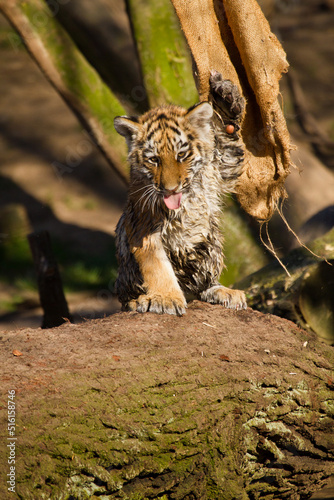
(169,245)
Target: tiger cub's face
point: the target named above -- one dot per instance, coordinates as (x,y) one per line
(167,147)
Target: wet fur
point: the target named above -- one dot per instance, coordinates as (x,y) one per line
(165,255)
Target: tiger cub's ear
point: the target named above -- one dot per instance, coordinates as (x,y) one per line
(128,127)
(200,117)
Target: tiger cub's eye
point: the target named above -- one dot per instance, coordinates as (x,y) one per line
(181,155)
(155,160)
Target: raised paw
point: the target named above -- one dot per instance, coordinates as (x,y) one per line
(226,97)
(231,299)
(159,304)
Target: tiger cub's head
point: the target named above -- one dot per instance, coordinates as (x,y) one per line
(167,147)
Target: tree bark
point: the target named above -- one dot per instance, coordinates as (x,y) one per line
(163,53)
(217,404)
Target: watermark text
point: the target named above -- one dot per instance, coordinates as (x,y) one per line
(11,441)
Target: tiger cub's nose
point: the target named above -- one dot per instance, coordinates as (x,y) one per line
(171,189)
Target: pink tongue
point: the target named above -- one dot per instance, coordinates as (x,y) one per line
(173,201)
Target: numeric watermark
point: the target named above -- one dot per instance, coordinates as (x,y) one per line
(11,440)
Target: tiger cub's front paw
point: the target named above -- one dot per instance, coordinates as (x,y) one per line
(226,97)
(159,304)
(231,299)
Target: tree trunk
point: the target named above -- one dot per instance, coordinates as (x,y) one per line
(217,404)
(164,56)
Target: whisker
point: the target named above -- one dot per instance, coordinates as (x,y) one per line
(156,200)
(150,204)
(148,195)
(148,188)
(148,198)
(143,187)
(153,198)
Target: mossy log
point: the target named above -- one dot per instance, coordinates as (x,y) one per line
(217,404)
(306,294)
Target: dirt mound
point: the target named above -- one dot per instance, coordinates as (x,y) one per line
(247,337)
(102,405)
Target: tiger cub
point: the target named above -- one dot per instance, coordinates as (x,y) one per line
(168,241)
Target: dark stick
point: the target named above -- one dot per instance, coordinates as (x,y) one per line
(49,282)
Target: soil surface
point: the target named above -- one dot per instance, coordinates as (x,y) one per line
(32,356)
(35,361)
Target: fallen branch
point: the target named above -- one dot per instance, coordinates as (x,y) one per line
(306,295)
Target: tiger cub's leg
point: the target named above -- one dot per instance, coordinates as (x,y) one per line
(163,293)
(219,294)
(229,106)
